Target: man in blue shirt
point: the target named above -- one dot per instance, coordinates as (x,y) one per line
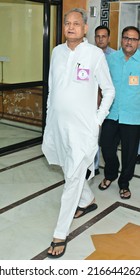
(102,40)
(122,125)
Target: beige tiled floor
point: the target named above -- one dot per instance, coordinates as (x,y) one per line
(17,133)
(30,201)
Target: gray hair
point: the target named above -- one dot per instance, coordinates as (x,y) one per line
(77,10)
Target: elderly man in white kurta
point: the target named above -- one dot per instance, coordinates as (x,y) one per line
(70,139)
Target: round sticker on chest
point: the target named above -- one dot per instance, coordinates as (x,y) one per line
(83,74)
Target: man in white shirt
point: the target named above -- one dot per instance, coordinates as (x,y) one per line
(70,139)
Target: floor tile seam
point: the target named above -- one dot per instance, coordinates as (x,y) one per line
(36,158)
(30,197)
(88,224)
(16,127)
(20,163)
(100,216)
(19,149)
(80,229)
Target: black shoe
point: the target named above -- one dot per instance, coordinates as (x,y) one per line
(138,159)
(97,172)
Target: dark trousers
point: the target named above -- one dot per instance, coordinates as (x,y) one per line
(113,134)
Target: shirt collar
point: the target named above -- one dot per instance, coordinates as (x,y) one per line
(85,41)
(136,55)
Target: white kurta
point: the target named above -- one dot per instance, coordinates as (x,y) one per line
(72,125)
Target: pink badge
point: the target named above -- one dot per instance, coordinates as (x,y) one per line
(82,74)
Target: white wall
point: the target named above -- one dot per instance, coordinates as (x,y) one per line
(128,16)
(93,22)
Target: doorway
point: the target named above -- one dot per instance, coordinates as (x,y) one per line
(129,15)
(27,39)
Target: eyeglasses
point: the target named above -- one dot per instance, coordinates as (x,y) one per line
(127,39)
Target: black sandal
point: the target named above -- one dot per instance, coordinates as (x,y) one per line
(105,186)
(123,192)
(86,210)
(57,244)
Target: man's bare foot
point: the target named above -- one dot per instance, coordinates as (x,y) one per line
(125,193)
(104,185)
(57,247)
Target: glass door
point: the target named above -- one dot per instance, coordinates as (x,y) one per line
(129,15)
(28,31)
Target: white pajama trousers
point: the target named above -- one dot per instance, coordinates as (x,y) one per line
(76,193)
